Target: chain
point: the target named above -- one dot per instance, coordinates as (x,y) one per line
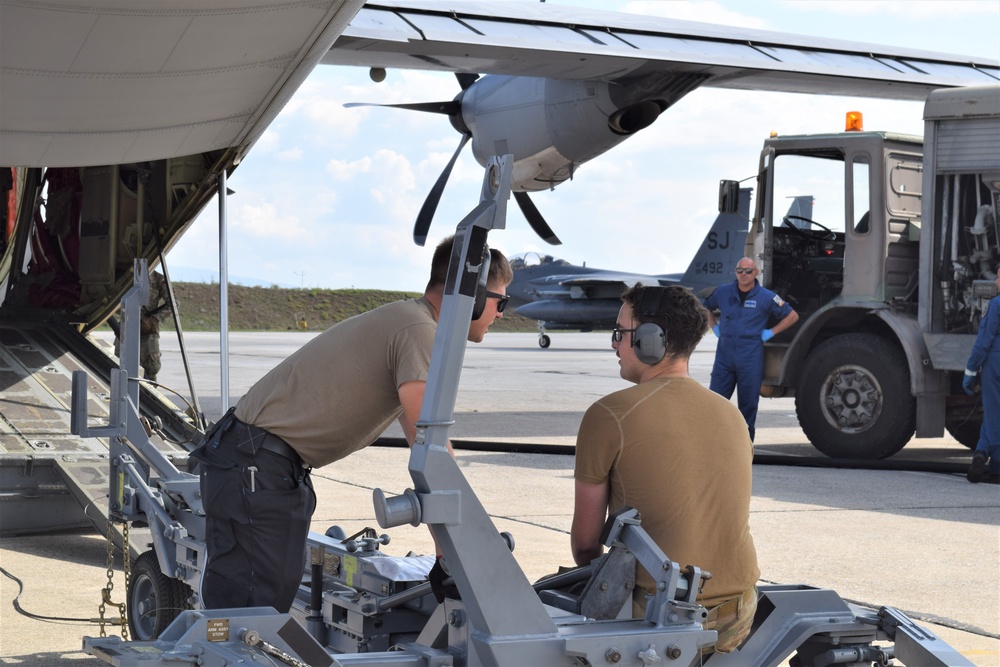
(127,567)
(106,592)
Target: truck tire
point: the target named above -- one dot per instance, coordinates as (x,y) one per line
(853,398)
(965,431)
(154,599)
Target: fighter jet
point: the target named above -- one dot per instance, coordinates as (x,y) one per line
(564,296)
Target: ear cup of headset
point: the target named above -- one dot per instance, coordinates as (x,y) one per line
(650,343)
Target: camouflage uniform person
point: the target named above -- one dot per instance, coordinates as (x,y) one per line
(151,315)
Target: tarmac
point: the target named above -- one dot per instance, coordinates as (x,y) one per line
(926,543)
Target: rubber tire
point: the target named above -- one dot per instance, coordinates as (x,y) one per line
(895,416)
(149,588)
(544,341)
(965,432)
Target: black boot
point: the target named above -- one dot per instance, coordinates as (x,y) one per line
(978,468)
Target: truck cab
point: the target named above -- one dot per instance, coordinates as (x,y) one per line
(889,299)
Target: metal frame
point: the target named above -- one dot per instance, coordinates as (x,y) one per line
(144,484)
(351,603)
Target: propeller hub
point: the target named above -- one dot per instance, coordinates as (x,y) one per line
(457,121)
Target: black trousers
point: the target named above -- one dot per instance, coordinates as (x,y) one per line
(258,506)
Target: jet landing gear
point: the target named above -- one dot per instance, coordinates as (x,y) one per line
(543,339)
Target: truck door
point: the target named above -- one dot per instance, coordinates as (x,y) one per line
(761,233)
(804,256)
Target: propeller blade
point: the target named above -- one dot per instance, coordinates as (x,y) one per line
(466,79)
(426,214)
(535,219)
(448,108)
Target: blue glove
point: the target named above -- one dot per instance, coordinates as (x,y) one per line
(715,330)
(766,335)
(968,382)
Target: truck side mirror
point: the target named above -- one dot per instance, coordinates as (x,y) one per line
(729,196)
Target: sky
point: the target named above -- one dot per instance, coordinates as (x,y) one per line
(327,197)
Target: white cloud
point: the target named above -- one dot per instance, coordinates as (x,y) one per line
(291,154)
(389,180)
(341,170)
(320,101)
(264,221)
(394,170)
(268,141)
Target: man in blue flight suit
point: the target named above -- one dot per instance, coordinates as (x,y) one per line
(985,357)
(745,309)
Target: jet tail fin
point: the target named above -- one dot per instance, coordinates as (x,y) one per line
(723,247)
(800,212)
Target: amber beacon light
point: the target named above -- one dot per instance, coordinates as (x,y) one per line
(854,122)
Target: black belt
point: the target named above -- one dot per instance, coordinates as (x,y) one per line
(257,438)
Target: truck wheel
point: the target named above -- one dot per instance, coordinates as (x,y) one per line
(966,432)
(853,398)
(154,599)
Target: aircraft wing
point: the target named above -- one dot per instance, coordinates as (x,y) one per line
(543,40)
(85,84)
(619,280)
(601,285)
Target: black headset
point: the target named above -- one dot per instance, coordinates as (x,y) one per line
(649,340)
(484,273)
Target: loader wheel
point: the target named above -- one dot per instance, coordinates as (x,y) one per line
(965,431)
(853,398)
(154,599)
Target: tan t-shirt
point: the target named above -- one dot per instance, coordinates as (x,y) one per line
(339,392)
(681,455)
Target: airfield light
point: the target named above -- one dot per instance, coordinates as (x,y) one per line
(854,122)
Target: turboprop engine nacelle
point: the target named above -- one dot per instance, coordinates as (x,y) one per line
(551,126)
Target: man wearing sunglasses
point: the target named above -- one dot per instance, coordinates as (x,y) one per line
(675,451)
(745,309)
(332,397)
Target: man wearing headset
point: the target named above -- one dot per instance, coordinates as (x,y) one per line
(677,452)
(745,309)
(332,397)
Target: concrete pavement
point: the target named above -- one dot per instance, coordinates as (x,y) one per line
(926,543)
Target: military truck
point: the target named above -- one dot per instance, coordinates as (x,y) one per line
(890,279)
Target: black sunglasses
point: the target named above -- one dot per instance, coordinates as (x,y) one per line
(502,300)
(617,333)
(746,271)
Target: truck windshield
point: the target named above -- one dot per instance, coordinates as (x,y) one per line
(799,178)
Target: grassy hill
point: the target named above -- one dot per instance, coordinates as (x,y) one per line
(283,309)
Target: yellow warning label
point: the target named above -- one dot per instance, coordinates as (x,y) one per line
(350,565)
